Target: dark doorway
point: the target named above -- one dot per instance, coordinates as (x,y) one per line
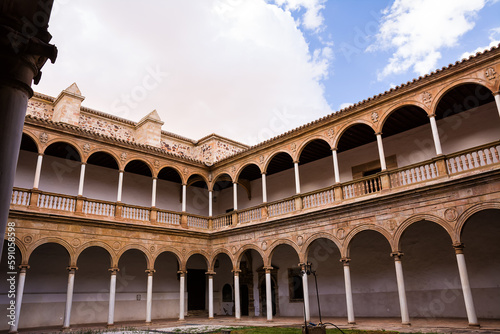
(263,297)
(196,289)
(244,299)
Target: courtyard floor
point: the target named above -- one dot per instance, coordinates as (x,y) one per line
(423,325)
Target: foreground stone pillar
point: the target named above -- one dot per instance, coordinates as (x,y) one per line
(19,296)
(269,296)
(182,293)
(405,317)
(435,134)
(237,306)
(69,296)
(297,177)
(210,275)
(112,295)
(381,153)
(464,280)
(149,298)
(348,291)
(305,287)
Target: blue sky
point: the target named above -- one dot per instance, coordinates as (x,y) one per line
(253,69)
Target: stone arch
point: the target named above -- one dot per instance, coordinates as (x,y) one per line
(410,103)
(104,150)
(168,249)
(176,168)
(242,167)
(53,240)
(67,141)
(271,156)
(216,253)
(96,243)
(146,162)
(275,244)
(140,248)
(427,217)
(462,219)
(314,237)
(204,254)
(22,249)
(349,125)
(219,174)
(345,250)
(309,140)
(463,81)
(203,177)
(35,140)
(243,249)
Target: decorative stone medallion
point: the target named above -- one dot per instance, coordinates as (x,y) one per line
(490,73)
(76,242)
(123,156)
(233,169)
(341,233)
(300,240)
(185,171)
(152,249)
(450,215)
(44,137)
(330,133)
(375,117)
(86,147)
(28,239)
(293,147)
(157,163)
(264,245)
(234,250)
(116,245)
(261,159)
(426,98)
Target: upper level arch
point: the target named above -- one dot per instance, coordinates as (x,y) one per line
(249,171)
(29,143)
(313,149)
(170,173)
(103,158)
(139,166)
(197,180)
(403,118)
(353,135)
(222,181)
(63,149)
(278,161)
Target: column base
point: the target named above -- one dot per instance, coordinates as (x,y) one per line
(406,323)
(210,317)
(110,325)
(181,320)
(270,320)
(13,332)
(474,325)
(351,322)
(148,323)
(65,329)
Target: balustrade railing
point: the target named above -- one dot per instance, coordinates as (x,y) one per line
(473,158)
(318,198)
(20,197)
(281,207)
(414,174)
(362,187)
(223,221)
(249,215)
(56,202)
(166,217)
(199,222)
(131,212)
(98,208)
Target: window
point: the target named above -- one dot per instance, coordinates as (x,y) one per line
(227,293)
(296,288)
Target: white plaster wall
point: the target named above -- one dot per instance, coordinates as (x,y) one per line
(316,174)
(169,195)
(100,183)
(165,288)
(197,201)
(25,171)
(257,262)
(223,276)
(60,176)
(137,189)
(280,185)
(285,257)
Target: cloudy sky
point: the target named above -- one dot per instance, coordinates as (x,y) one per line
(253,69)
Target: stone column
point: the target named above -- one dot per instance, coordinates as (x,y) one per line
(297,177)
(153,192)
(305,287)
(497,100)
(235,196)
(149,298)
(405,317)
(38,171)
(435,134)
(464,280)
(182,293)
(82,179)
(269,296)
(336,166)
(210,275)
(381,153)
(120,186)
(184,198)
(348,291)
(112,295)
(210,203)
(264,188)
(19,296)
(69,296)
(237,306)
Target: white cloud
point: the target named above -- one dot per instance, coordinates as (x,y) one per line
(494,41)
(418,29)
(239,68)
(313,18)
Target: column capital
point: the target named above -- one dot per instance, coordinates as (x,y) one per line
(378,133)
(263,173)
(72,268)
(345,261)
(496,93)
(268,269)
(150,271)
(459,248)
(397,255)
(236,272)
(155,177)
(431,115)
(182,272)
(296,162)
(114,270)
(83,163)
(24,267)
(210,273)
(121,171)
(41,154)
(334,149)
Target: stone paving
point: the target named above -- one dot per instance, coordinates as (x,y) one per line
(418,325)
